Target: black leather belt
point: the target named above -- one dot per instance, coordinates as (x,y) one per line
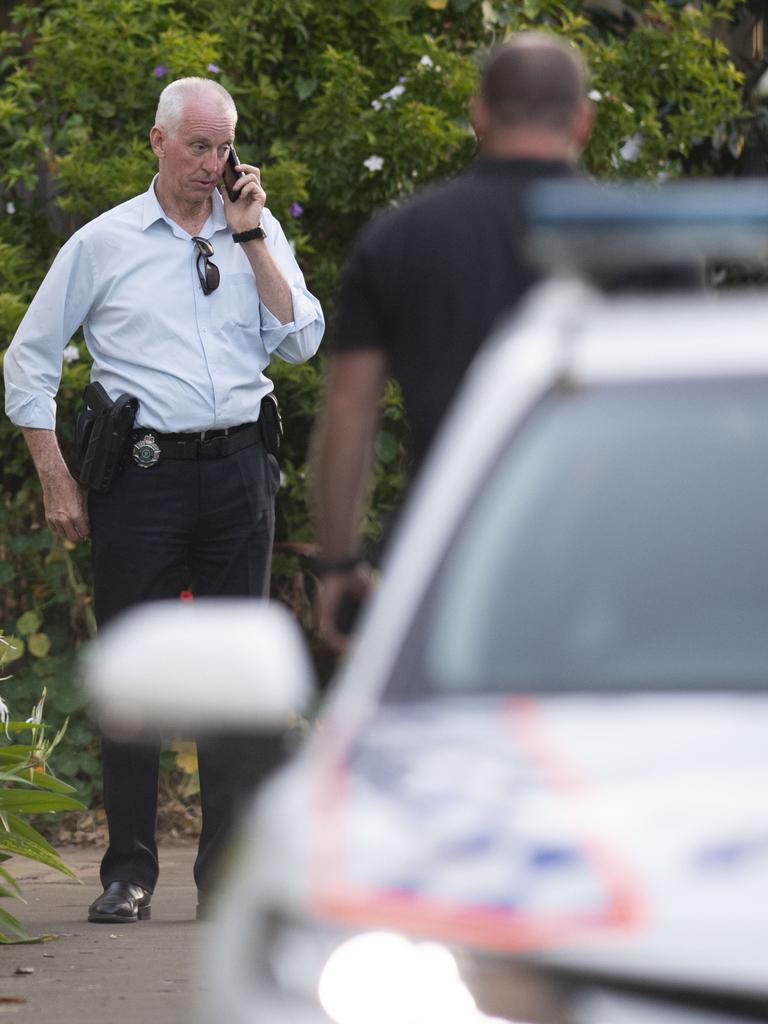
(148,446)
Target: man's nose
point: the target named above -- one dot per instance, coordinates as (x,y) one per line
(213,163)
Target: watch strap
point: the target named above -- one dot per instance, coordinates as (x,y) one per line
(247,236)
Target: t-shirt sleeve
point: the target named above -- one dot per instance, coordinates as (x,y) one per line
(361,311)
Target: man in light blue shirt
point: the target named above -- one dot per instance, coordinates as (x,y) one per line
(183,295)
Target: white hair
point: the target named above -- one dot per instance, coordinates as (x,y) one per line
(175,97)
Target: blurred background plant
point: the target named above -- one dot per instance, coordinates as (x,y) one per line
(28,789)
(346,106)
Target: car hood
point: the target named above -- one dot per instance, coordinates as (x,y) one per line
(619,833)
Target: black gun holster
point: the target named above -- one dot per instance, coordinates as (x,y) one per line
(271,423)
(102,431)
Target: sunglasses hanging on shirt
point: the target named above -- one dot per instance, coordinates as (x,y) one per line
(207,272)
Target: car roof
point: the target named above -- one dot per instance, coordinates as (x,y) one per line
(638,335)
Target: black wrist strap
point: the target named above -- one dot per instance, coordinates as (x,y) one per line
(247,236)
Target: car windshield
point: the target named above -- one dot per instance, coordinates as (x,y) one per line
(618,543)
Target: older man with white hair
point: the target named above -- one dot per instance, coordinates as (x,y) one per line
(183,294)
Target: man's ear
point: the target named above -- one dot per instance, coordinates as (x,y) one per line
(479,117)
(157,138)
(584,123)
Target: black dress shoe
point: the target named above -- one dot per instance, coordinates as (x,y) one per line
(120,903)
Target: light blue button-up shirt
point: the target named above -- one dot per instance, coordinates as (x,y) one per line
(194,361)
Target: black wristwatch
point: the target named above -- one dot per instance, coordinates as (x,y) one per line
(247,236)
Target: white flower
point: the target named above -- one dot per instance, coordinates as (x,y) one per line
(71,354)
(374,162)
(377,104)
(426,61)
(595,95)
(10,208)
(393,93)
(630,151)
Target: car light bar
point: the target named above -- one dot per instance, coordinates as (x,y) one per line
(583,225)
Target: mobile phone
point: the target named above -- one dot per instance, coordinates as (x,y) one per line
(230,175)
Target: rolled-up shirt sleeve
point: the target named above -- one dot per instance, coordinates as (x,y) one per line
(33,363)
(300,339)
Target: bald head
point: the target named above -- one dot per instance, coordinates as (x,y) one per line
(534,82)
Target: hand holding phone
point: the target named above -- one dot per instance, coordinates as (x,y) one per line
(230,175)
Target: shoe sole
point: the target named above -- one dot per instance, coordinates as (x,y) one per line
(142,914)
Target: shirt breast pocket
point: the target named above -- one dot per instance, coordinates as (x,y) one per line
(238,301)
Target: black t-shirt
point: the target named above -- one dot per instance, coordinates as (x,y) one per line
(426,282)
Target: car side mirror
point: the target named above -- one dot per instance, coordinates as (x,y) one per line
(217,665)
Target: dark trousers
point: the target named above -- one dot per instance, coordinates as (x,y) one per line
(207,524)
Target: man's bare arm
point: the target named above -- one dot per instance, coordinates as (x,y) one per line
(274,290)
(343,449)
(65,510)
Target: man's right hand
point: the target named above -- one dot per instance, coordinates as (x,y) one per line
(65,510)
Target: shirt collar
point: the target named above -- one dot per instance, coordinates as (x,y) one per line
(153,211)
(517,167)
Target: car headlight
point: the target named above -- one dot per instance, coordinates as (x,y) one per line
(304,971)
(385,978)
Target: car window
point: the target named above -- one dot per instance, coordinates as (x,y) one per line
(620,542)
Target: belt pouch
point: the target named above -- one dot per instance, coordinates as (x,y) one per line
(271,423)
(101,434)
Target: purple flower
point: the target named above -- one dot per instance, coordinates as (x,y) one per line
(160,71)
(213,68)
(296,209)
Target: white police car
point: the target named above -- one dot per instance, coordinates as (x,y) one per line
(538,789)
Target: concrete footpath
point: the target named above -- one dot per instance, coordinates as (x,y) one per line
(142,973)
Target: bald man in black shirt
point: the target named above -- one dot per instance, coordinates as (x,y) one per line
(426,283)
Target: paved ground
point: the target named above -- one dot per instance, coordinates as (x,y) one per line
(143,973)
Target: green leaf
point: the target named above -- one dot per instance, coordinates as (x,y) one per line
(305,87)
(386,447)
(29,622)
(12,887)
(23,847)
(33,802)
(38,644)
(16,645)
(16,778)
(19,827)
(10,924)
(49,783)
(14,755)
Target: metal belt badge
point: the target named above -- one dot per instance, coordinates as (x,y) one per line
(146,452)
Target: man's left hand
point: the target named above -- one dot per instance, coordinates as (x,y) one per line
(245,212)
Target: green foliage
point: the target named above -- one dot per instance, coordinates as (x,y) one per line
(27,788)
(346,106)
